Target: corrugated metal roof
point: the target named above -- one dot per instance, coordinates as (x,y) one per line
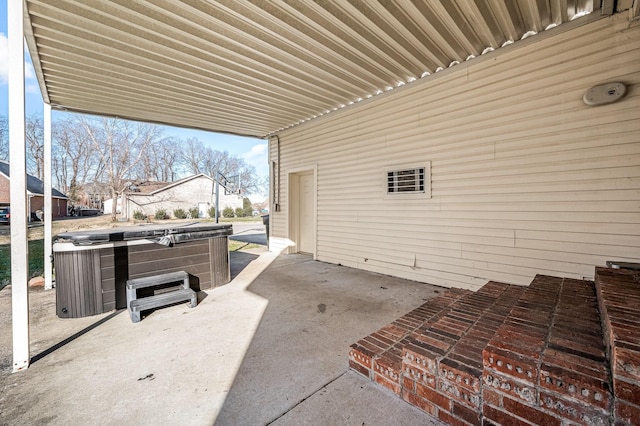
(256,67)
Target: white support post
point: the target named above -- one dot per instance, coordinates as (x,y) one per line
(48,202)
(18,187)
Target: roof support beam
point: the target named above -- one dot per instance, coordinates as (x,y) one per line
(18,187)
(48,202)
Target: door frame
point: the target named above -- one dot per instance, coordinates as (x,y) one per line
(293,207)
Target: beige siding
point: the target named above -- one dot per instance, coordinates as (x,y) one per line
(526,179)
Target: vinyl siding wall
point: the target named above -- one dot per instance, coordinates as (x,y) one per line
(525,178)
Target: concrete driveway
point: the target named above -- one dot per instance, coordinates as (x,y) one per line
(249,232)
(269,348)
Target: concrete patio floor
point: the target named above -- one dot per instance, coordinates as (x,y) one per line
(271,347)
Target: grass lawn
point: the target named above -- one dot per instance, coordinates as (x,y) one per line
(240,219)
(241,245)
(36,261)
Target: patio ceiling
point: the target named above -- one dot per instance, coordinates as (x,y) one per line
(256,67)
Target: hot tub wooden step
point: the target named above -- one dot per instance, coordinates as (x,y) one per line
(164,299)
(136,305)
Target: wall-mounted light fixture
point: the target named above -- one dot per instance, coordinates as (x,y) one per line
(604,94)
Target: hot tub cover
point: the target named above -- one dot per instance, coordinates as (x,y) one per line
(165,234)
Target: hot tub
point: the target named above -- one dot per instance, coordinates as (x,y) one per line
(92,267)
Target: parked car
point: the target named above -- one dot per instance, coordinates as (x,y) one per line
(86,211)
(5,215)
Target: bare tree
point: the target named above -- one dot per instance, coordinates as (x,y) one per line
(199,159)
(4,138)
(193,155)
(74,160)
(120,146)
(162,162)
(34,139)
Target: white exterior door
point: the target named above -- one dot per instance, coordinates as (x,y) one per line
(203,209)
(306,214)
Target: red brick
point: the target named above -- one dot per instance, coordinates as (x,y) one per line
(626,390)
(449,419)
(434,344)
(458,393)
(627,413)
(419,375)
(475,362)
(529,413)
(421,403)
(579,386)
(623,315)
(626,332)
(522,332)
(394,330)
(568,408)
(360,369)
(470,416)
(374,345)
(491,397)
(433,396)
(520,347)
(579,364)
(389,384)
(499,416)
(463,375)
(462,315)
(626,363)
(389,370)
(587,349)
(510,364)
(524,391)
(361,356)
(380,336)
(447,330)
(408,383)
(455,323)
(367,348)
(420,357)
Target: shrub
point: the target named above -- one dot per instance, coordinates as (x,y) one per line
(180,214)
(194,212)
(239,212)
(161,214)
(212,212)
(227,212)
(138,215)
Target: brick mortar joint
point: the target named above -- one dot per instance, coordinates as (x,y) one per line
(547,338)
(471,327)
(413,330)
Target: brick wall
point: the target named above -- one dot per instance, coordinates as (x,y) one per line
(546,363)
(517,355)
(619,299)
(58,209)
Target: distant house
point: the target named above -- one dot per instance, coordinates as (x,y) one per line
(194,191)
(35,194)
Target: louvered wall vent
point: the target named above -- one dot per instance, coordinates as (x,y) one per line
(414,180)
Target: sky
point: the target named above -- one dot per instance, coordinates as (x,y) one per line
(253,151)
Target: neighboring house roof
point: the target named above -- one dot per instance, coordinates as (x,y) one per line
(147,187)
(34,185)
